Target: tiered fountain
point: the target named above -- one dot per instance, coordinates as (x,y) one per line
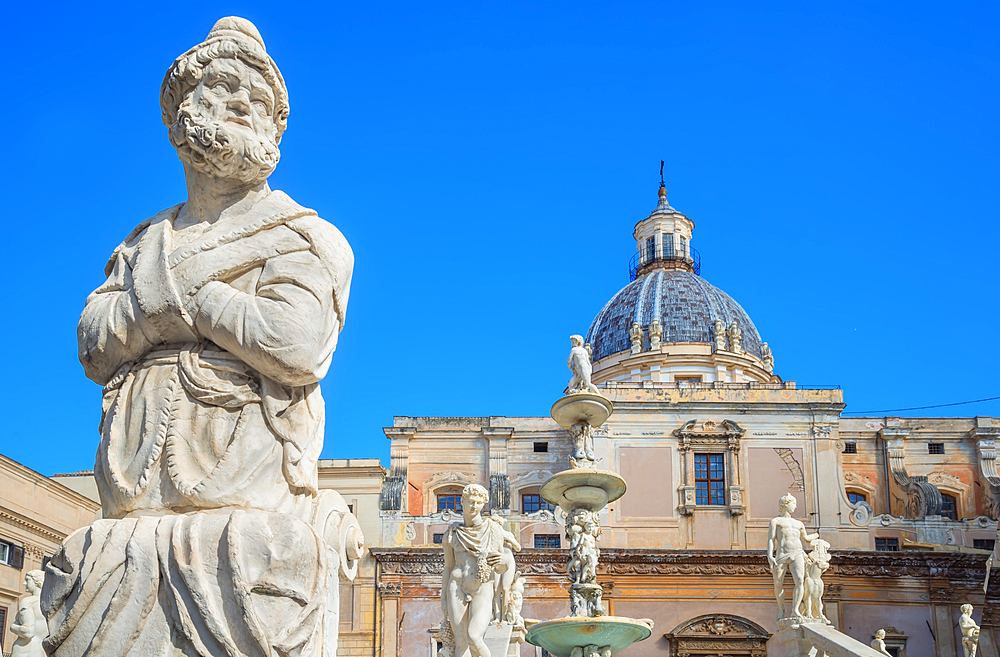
(583,492)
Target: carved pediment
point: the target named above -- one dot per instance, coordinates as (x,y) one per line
(713,632)
(439,479)
(725,434)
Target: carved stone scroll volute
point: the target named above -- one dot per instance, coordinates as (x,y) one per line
(985,435)
(922,497)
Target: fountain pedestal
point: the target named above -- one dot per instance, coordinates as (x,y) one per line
(583,492)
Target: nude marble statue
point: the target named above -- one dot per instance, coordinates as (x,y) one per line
(29,624)
(785,552)
(215,323)
(478,569)
(579,365)
(970,631)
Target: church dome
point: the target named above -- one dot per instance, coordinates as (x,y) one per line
(685,305)
(670,325)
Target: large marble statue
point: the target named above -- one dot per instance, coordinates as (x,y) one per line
(217,320)
(579,364)
(970,631)
(785,552)
(878,644)
(29,624)
(479,574)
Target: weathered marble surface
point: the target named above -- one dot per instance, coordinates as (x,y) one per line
(478,586)
(217,320)
(29,624)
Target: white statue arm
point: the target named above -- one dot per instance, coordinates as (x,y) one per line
(771,532)
(806,538)
(449,564)
(287,329)
(112,329)
(24,624)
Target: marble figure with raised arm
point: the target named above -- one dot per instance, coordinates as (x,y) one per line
(785,552)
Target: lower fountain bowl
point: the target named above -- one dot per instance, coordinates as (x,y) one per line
(560,636)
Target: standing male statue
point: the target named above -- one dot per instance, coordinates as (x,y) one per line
(785,552)
(970,631)
(478,571)
(579,364)
(217,320)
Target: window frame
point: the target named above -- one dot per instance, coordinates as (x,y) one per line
(457,508)
(935,448)
(437,538)
(984,540)
(542,504)
(886,541)
(862,495)
(712,492)
(850,447)
(557,537)
(954,506)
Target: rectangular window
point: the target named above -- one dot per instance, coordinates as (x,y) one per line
(684,247)
(850,448)
(650,249)
(350,507)
(533,502)
(949,507)
(438,539)
(541,448)
(687,378)
(886,544)
(3,625)
(547,541)
(935,448)
(452,501)
(11,555)
(710,479)
(668,245)
(856,497)
(984,544)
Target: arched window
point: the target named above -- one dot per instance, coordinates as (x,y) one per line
(855,497)
(949,506)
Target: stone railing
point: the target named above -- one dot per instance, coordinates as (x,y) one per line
(819,640)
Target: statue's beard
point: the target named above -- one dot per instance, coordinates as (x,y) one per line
(215,149)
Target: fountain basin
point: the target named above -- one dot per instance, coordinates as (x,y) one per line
(581,407)
(583,488)
(560,636)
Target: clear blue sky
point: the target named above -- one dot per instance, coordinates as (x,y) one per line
(487,161)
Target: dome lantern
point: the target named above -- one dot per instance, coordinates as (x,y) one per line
(669,324)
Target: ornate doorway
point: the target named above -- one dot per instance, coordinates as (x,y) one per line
(718,635)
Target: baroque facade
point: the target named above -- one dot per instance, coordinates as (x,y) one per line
(708,437)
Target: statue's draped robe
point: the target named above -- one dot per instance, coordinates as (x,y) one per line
(215,540)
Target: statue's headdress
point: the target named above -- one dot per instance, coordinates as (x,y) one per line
(233,37)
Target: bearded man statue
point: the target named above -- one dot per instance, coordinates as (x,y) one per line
(217,320)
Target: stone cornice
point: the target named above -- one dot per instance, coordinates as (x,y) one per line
(959,568)
(27,474)
(35,527)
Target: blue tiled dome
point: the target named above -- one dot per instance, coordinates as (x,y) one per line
(685,304)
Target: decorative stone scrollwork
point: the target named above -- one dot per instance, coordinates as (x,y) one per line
(987,452)
(389,590)
(718,634)
(861,514)
(923,498)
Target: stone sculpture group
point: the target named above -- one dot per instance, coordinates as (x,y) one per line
(786,553)
(480,584)
(217,319)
